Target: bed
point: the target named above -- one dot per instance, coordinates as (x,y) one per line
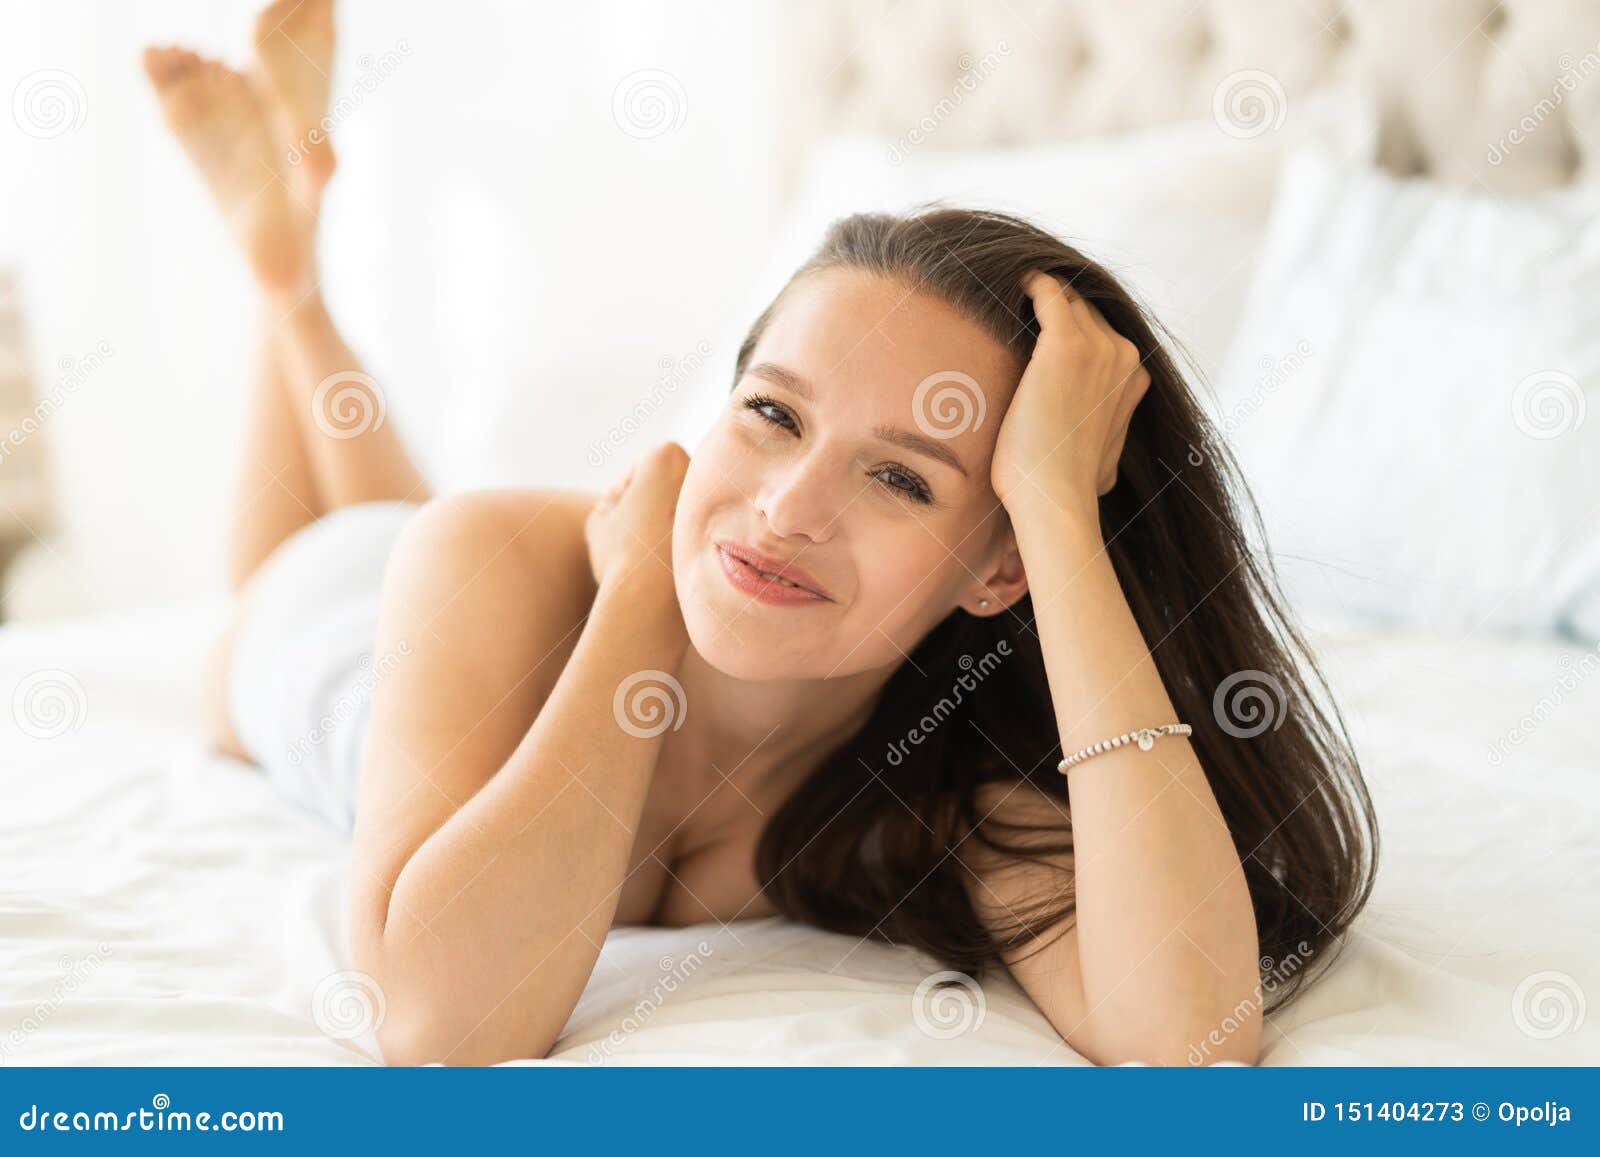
(162,906)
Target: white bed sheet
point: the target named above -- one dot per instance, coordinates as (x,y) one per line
(159,905)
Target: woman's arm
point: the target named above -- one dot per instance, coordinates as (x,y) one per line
(1165,937)
(480,907)
(1164,947)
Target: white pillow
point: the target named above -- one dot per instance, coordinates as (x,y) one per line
(1408,394)
(1178,211)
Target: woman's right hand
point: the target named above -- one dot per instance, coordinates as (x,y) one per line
(629,531)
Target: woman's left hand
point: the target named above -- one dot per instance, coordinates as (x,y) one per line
(1064,430)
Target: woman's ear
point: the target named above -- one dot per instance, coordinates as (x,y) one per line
(1004,584)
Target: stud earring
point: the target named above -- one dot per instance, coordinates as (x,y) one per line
(983,602)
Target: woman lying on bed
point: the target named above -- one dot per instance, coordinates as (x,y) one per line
(960,518)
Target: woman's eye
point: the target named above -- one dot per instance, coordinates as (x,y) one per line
(908,484)
(895,478)
(770,411)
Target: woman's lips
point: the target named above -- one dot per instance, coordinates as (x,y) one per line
(747,578)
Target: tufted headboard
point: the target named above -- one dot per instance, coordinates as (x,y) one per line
(1500,95)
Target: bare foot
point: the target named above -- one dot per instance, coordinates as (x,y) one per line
(221,121)
(294,51)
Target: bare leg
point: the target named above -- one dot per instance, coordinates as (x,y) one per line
(355,451)
(298,462)
(276,492)
(231,125)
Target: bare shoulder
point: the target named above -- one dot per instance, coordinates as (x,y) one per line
(484,597)
(521,550)
(545,524)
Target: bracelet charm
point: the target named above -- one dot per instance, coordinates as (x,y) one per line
(1145,737)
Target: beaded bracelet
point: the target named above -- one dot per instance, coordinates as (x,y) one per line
(1145,737)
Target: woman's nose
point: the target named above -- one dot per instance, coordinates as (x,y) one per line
(797,499)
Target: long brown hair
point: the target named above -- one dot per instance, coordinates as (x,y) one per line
(865,846)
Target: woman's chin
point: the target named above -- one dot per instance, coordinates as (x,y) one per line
(732,647)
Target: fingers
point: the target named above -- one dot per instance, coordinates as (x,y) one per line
(1052,302)
(1063,311)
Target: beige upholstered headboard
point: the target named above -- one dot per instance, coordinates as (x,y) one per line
(1505,96)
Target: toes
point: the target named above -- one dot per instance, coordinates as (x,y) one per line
(155,63)
(165,64)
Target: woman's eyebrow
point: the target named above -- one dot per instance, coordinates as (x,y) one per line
(938,451)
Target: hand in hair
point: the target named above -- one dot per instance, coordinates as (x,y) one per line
(1064,430)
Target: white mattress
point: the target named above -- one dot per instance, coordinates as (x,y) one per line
(162,906)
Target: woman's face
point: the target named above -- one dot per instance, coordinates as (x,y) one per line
(856,447)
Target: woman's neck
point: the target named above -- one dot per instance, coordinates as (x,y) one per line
(758,732)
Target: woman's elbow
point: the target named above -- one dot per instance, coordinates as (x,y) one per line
(414,1038)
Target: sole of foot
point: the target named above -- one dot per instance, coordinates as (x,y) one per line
(294,54)
(223,124)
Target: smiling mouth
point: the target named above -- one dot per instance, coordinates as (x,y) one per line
(765,586)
